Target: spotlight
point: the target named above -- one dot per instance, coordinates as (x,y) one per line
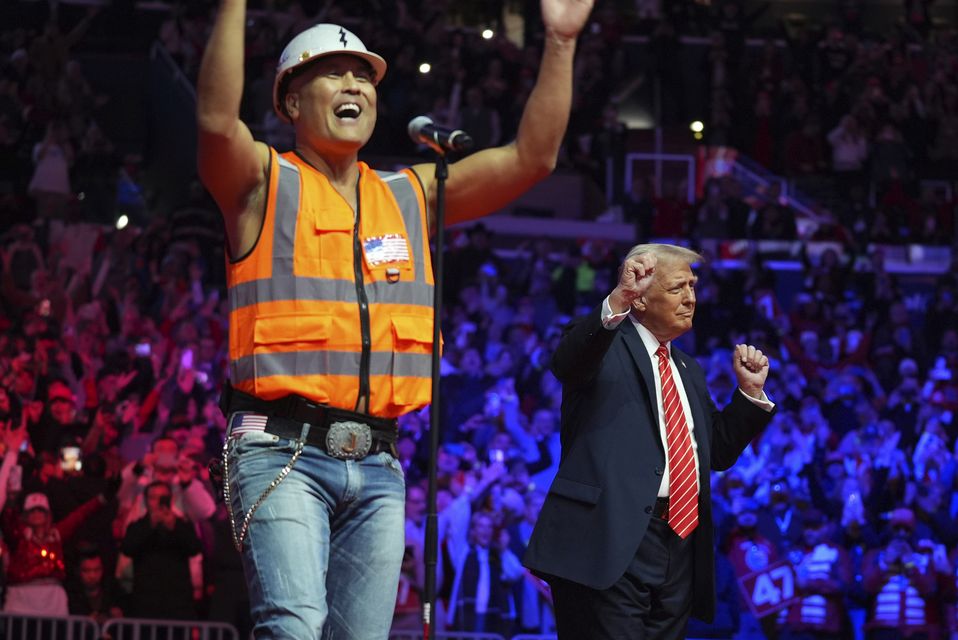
(122,221)
(487,34)
(697,127)
(425,67)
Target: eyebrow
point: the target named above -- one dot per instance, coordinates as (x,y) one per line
(671,284)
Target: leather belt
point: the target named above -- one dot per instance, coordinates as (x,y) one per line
(343,434)
(300,409)
(347,440)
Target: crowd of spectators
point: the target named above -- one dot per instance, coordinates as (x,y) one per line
(108,410)
(113,348)
(854,116)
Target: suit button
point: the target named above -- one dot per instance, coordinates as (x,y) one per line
(658,471)
(648,510)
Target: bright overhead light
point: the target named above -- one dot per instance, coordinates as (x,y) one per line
(122,221)
(425,67)
(487,34)
(697,126)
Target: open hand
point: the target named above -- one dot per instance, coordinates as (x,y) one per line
(13,437)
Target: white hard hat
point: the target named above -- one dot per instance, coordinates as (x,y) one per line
(317,41)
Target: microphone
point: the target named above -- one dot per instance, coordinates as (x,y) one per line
(423,130)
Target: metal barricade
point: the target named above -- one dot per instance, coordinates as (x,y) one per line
(144,629)
(21,627)
(444,635)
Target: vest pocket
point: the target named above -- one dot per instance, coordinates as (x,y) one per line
(287,347)
(412,360)
(291,328)
(324,243)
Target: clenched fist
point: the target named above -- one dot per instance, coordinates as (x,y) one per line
(634,280)
(751,369)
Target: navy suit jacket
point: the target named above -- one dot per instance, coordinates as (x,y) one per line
(598,508)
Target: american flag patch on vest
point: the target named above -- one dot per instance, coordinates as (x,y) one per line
(243,422)
(391,247)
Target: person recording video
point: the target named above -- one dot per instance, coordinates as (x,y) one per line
(160,545)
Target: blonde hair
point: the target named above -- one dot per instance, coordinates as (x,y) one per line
(666,252)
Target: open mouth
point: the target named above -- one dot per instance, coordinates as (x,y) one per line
(348,111)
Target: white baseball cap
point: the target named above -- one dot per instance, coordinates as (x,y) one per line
(36,501)
(318,41)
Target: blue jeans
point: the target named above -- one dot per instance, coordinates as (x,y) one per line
(324,549)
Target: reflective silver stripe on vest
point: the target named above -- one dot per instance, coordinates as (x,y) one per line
(329,363)
(283,285)
(322,289)
(405,195)
(284,220)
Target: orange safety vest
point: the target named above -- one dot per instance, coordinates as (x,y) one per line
(332,309)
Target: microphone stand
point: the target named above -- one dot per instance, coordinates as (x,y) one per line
(432,519)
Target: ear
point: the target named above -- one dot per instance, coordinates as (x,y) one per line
(291,102)
(639,304)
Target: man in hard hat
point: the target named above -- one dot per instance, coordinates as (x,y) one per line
(330,288)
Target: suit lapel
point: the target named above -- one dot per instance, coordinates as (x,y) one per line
(636,348)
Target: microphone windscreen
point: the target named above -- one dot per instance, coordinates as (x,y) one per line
(416,126)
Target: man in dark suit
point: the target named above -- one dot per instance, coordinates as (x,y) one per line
(625,535)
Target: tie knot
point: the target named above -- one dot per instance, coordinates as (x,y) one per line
(662,352)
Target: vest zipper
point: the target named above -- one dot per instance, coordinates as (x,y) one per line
(363,310)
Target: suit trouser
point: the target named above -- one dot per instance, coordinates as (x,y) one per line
(652,600)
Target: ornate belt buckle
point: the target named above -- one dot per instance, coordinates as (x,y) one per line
(348,440)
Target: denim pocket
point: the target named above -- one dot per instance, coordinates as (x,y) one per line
(255,460)
(258,442)
(392,464)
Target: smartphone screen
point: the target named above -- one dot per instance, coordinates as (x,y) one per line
(70,458)
(186,360)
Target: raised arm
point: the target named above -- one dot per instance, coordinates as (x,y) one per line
(489,179)
(584,342)
(232,165)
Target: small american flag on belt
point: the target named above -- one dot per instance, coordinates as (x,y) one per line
(391,247)
(243,422)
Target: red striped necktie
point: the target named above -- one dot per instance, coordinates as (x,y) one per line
(683,490)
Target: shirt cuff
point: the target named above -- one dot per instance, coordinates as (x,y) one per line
(762,403)
(611,320)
